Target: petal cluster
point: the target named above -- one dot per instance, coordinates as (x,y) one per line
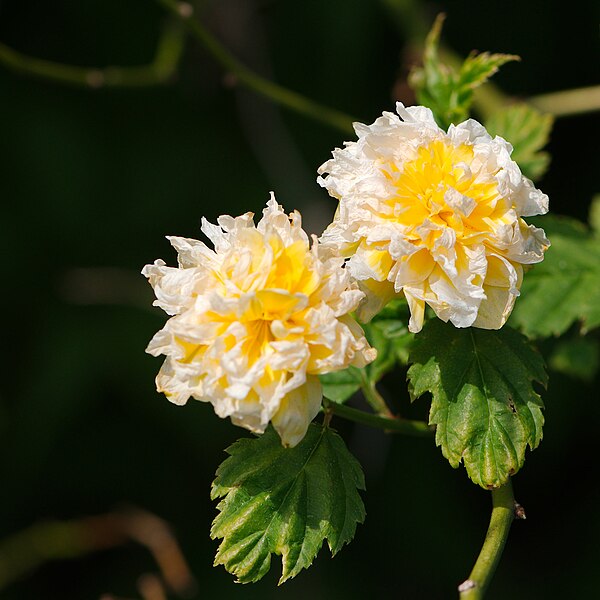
(434,215)
(255,321)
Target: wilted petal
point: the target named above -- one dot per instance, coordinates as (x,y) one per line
(256,320)
(433,213)
(297,410)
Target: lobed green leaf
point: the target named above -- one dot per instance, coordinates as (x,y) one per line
(285,501)
(528,130)
(484,406)
(565,287)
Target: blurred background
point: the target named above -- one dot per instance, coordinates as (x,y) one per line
(93,178)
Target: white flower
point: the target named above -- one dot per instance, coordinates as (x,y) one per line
(255,321)
(435,216)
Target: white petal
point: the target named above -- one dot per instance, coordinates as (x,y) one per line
(298,408)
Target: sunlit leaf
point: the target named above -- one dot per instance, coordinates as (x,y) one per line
(484,406)
(285,501)
(528,130)
(565,287)
(448,91)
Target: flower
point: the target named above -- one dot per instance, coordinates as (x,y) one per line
(255,321)
(435,216)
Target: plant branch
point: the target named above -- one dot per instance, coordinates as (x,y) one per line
(568,102)
(25,551)
(374,398)
(159,71)
(503,513)
(405,426)
(413,24)
(250,79)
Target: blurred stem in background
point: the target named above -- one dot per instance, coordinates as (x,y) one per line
(407,14)
(160,71)
(27,550)
(247,77)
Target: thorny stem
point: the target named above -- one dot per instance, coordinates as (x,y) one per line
(405,426)
(159,71)
(250,79)
(503,513)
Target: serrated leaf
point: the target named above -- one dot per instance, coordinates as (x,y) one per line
(446,91)
(577,357)
(478,68)
(565,287)
(285,501)
(528,130)
(484,406)
(340,386)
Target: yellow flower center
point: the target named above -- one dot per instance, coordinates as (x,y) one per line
(439,186)
(277,281)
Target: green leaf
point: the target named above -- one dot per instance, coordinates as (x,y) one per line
(388,332)
(565,287)
(393,340)
(577,357)
(478,68)
(285,501)
(595,214)
(483,403)
(447,91)
(528,130)
(340,386)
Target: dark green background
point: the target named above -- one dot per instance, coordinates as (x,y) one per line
(92,181)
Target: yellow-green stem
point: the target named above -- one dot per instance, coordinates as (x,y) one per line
(374,398)
(568,102)
(503,514)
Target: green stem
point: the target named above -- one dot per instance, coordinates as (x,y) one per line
(405,426)
(568,102)
(374,398)
(159,71)
(503,513)
(250,79)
